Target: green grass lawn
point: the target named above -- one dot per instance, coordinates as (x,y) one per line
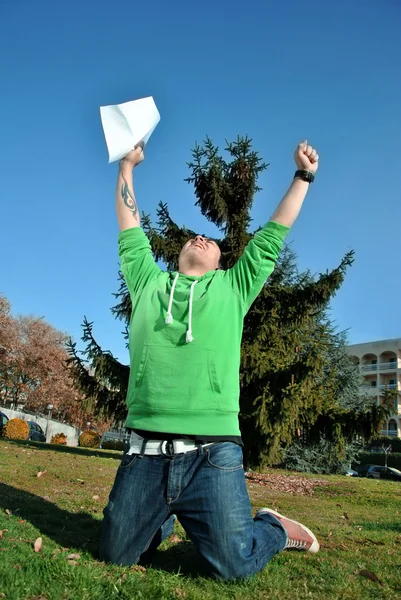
(357,521)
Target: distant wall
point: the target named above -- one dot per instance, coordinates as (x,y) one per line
(49,426)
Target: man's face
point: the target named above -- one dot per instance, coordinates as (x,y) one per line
(200,251)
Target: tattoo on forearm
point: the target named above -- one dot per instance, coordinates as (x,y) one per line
(128,198)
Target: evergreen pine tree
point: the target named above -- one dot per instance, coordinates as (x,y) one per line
(293,368)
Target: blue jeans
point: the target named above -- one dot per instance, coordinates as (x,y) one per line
(206,489)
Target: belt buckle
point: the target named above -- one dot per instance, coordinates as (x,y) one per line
(167,448)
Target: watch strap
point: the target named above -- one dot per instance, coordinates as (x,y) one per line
(305,175)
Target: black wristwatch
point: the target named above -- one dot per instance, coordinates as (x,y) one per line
(307,176)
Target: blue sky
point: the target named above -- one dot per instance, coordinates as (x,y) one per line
(277,71)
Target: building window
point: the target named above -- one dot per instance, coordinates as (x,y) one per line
(373,383)
(392,425)
(373,361)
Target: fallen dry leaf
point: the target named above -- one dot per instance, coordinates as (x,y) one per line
(292,484)
(95,497)
(73,556)
(40,473)
(346,516)
(38,545)
(369,575)
(17,567)
(22,521)
(138,569)
(8,511)
(73,562)
(38,598)
(343,546)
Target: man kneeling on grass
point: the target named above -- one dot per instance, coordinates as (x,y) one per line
(185,456)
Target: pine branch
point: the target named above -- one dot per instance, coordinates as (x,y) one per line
(225,191)
(122,310)
(101,378)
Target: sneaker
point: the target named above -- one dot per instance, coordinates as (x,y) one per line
(299,536)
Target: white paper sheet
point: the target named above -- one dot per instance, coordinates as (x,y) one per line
(127,124)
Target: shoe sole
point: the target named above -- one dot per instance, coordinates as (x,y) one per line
(315,545)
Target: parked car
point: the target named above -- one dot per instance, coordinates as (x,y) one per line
(3,422)
(351,473)
(378,472)
(115,440)
(363,470)
(36,433)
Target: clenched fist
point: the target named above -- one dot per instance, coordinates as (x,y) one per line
(134,157)
(306,157)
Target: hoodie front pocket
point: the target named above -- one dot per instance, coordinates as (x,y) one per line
(177,378)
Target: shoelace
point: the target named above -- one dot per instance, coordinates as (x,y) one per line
(296,544)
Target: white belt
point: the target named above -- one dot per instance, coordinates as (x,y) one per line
(161,447)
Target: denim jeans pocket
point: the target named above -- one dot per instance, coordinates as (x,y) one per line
(225,456)
(127,461)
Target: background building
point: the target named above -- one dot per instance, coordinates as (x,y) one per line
(380,364)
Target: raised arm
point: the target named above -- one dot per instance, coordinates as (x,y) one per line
(126,206)
(137,263)
(306,159)
(248,276)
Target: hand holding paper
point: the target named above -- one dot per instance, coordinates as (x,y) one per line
(126,125)
(134,157)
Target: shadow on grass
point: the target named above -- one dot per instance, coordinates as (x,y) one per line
(78,530)
(180,558)
(65,449)
(381,526)
(82,531)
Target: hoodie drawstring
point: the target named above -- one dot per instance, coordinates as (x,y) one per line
(169,316)
(189,337)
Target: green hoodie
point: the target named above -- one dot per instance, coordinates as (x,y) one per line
(185,336)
